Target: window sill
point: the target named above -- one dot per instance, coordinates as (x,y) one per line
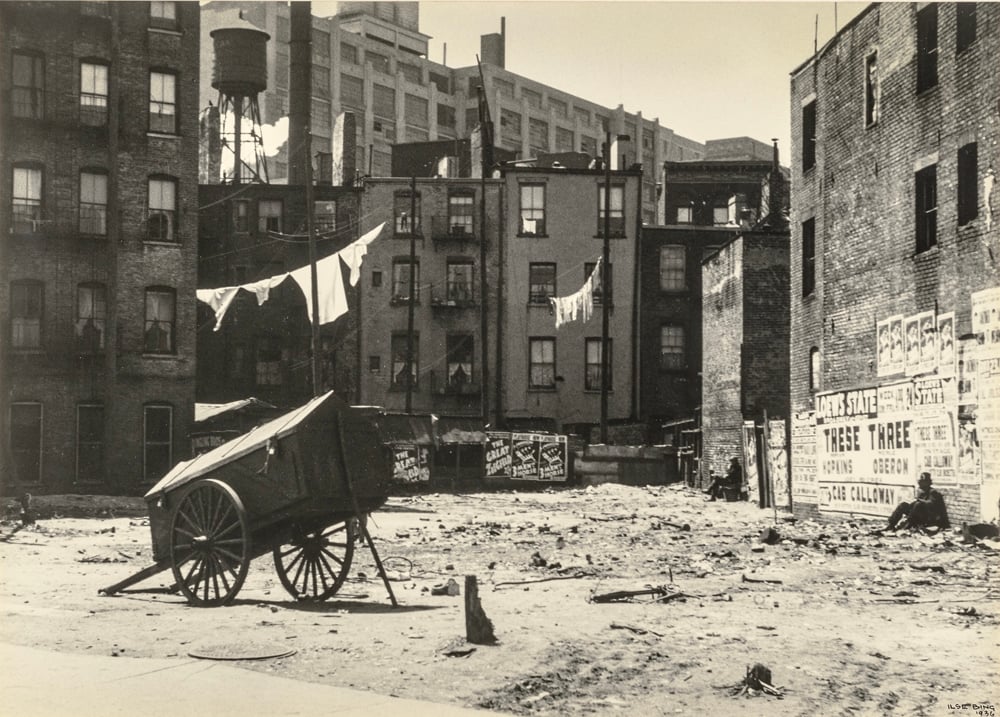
(810,297)
(522,235)
(166,31)
(163,135)
(540,305)
(160,357)
(156,242)
(617,235)
(927,253)
(402,389)
(402,301)
(929,90)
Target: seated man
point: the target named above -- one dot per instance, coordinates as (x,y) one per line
(732,480)
(926,511)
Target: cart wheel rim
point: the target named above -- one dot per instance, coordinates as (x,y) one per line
(313,565)
(210,544)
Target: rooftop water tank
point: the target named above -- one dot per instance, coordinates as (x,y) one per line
(240,60)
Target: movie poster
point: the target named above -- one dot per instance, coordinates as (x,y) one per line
(935,406)
(947,353)
(497,457)
(411,464)
(552,458)
(890,346)
(804,458)
(750,475)
(777,461)
(524,464)
(911,338)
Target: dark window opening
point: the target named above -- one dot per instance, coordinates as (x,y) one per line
(927,47)
(808,257)
(968,193)
(926,208)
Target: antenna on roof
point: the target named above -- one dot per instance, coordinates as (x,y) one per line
(816,34)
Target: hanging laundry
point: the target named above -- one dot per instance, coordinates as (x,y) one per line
(354,253)
(567,308)
(331,298)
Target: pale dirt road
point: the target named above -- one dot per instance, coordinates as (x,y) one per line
(858,624)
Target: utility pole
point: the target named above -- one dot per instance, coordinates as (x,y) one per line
(606,259)
(412,297)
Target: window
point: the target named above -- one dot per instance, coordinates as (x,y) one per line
(159,330)
(927,47)
(968,193)
(320,118)
(93,93)
(459,281)
(538,135)
(26,307)
(401,280)
(157,441)
(672,348)
(162,210)
(325,216)
(541,282)
(269,215)
(684,215)
(592,378)
(28,85)
(352,91)
(384,101)
(873,90)
(163,15)
(564,140)
(672,268)
(460,349)
(415,109)
(560,108)
(162,102)
(809,136)
(380,63)
(89,443)
(534,99)
(376,279)
(532,210)
(411,73)
(441,82)
(616,218)
(375,364)
(90,326)
(241,216)
(965,19)
(720,215)
(542,363)
(808,257)
(348,53)
(26,441)
(400,344)
(588,268)
(814,369)
(926,209)
(26,209)
(268,364)
(320,46)
(403,207)
(461,211)
(93,203)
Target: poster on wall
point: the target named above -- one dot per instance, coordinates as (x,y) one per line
(524,455)
(969,467)
(935,407)
(497,456)
(947,353)
(890,346)
(410,464)
(967,371)
(777,461)
(804,457)
(552,458)
(911,337)
(750,460)
(988,433)
(864,449)
(986,321)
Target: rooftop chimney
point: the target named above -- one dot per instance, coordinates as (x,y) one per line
(493,47)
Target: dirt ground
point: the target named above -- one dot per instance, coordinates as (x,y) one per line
(847,620)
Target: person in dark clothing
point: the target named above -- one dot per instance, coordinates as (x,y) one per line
(733,480)
(926,511)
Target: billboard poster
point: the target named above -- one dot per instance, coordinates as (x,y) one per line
(804,457)
(986,321)
(890,346)
(911,338)
(928,342)
(552,458)
(497,456)
(750,460)
(969,468)
(947,352)
(967,371)
(935,405)
(524,456)
(410,464)
(864,451)
(777,461)
(988,432)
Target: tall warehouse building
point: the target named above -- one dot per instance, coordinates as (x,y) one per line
(371,59)
(98,243)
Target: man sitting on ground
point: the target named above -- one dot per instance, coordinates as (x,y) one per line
(926,511)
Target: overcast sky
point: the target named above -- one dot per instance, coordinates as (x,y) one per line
(706,69)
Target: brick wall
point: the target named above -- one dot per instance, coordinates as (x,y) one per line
(861,194)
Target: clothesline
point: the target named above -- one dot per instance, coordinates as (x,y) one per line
(330,284)
(566,308)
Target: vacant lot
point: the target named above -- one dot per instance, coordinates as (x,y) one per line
(847,620)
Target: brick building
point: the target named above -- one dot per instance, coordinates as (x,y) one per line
(448,342)
(99,149)
(553,219)
(895,141)
(744,342)
(251,232)
(371,59)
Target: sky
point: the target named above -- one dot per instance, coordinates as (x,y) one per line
(707,70)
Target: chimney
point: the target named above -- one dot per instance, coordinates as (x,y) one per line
(300,92)
(493,47)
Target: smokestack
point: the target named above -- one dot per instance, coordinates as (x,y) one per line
(444,54)
(493,47)
(503,41)
(300,92)
(775,166)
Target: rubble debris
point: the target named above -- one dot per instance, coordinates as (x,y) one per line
(27,514)
(770,536)
(761,580)
(478,627)
(448,588)
(538,561)
(659,593)
(633,628)
(756,681)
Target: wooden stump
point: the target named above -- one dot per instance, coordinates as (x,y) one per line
(478,627)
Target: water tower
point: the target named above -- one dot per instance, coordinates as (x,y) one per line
(240,74)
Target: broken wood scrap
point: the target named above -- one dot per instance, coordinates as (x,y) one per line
(761,580)
(574,576)
(633,628)
(659,593)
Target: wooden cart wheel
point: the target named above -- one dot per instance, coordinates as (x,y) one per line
(210,543)
(314,564)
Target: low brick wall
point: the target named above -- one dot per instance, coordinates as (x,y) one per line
(628,465)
